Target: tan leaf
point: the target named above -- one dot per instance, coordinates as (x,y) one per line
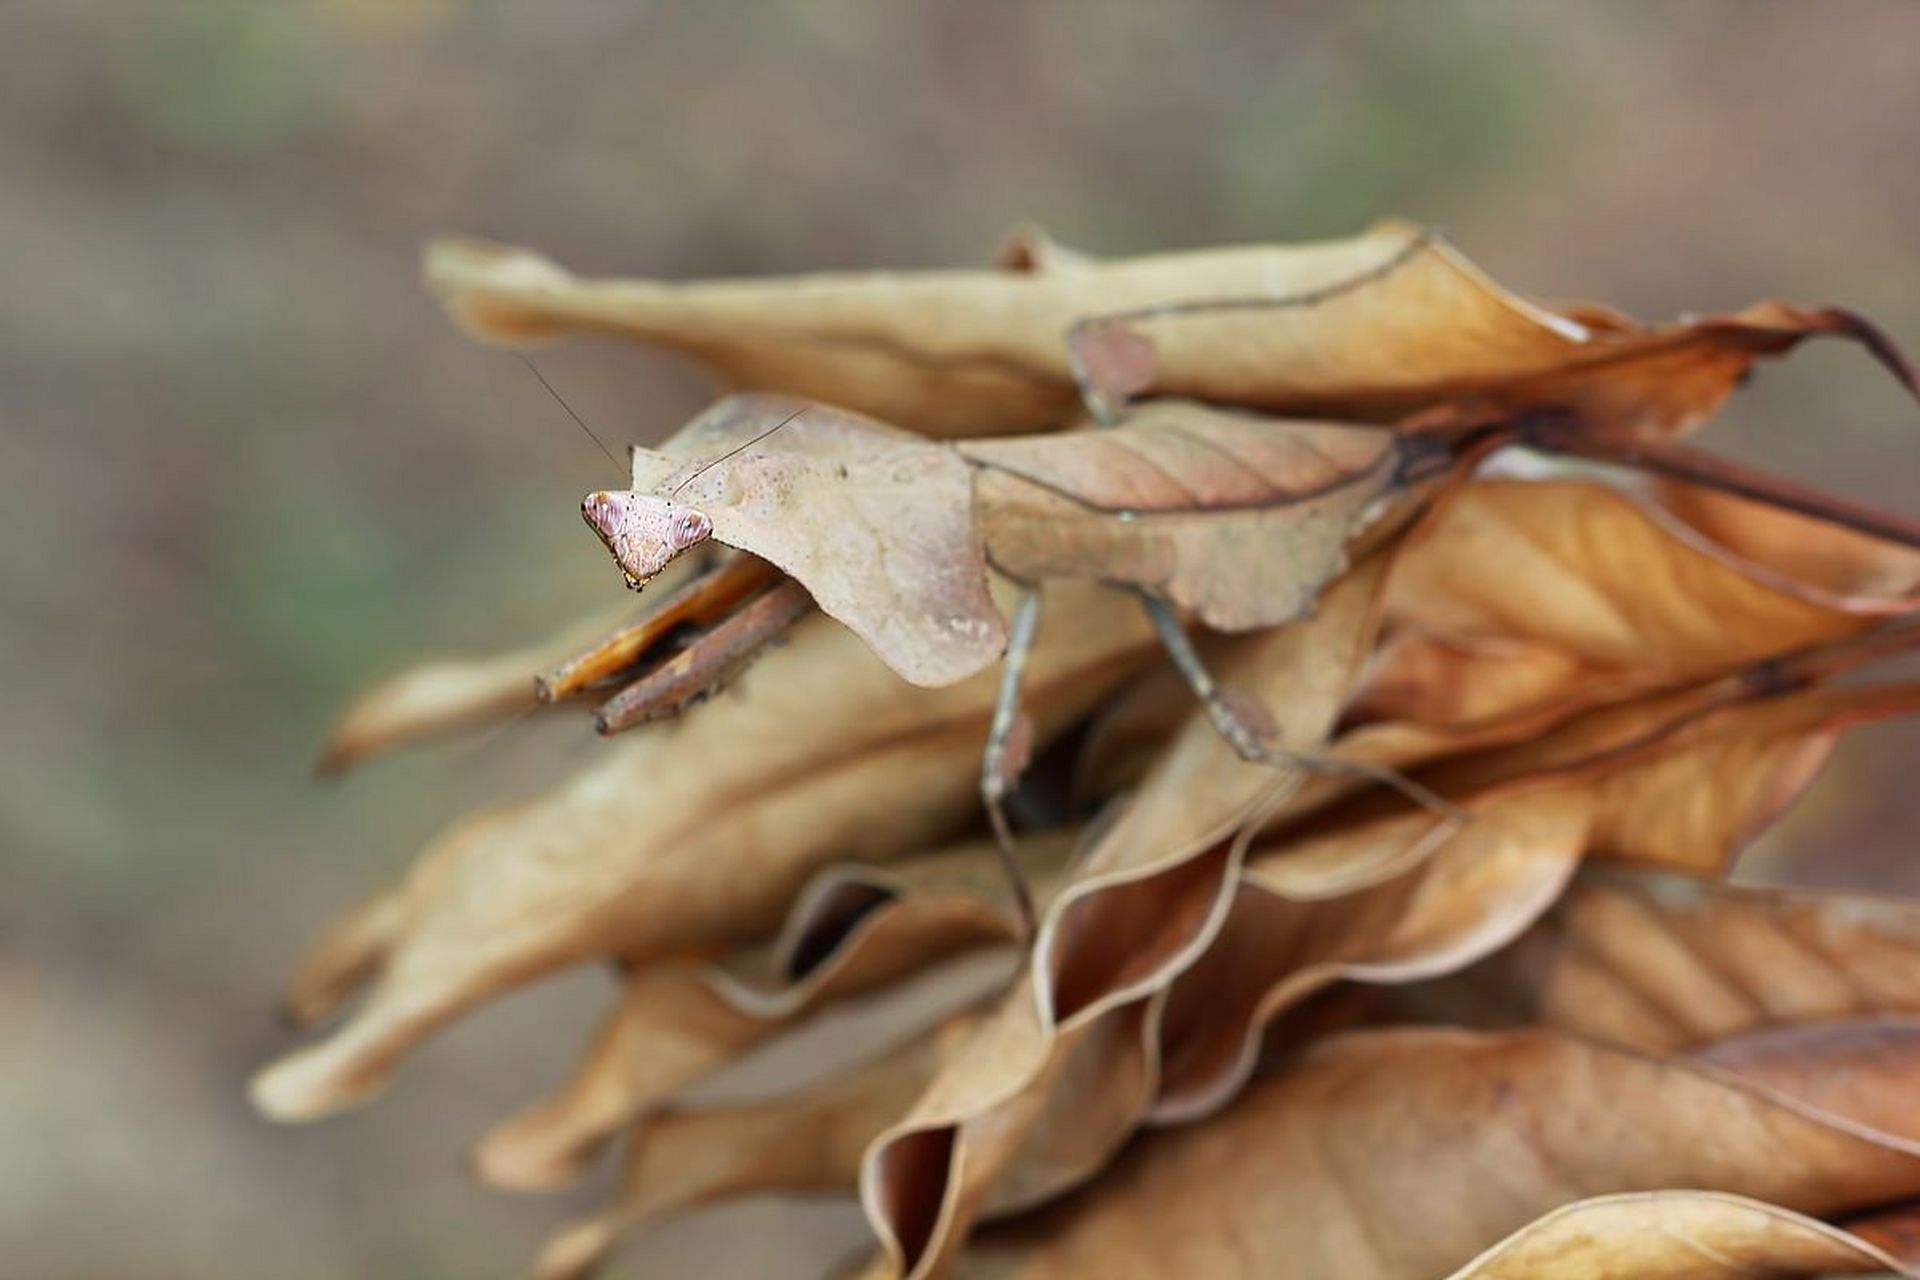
(810,1142)
(1677,1235)
(1475,892)
(1402,322)
(1645,1235)
(1669,964)
(1682,779)
(1401,899)
(851,930)
(1821,559)
(1329,1167)
(446,695)
(1522,594)
(693,833)
(1717,783)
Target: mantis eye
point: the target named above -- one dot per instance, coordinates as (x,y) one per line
(691,528)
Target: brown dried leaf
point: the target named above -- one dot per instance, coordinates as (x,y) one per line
(1681,780)
(1669,964)
(986,352)
(1677,1235)
(852,930)
(1051,1083)
(1328,1166)
(1824,560)
(446,695)
(695,832)
(811,1142)
(1597,595)
(1469,896)
(1401,899)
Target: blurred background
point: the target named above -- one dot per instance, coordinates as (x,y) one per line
(246,467)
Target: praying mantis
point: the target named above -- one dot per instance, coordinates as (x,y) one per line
(1233,517)
(1240,517)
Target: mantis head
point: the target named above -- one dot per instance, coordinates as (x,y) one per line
(643,532)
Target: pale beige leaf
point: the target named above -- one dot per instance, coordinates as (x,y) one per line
(1402,322)
(1677,1235)
(851,930)
(691,833)
(810,1142)
(445,695)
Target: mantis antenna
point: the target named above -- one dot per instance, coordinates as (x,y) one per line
(737,449)
(561,401)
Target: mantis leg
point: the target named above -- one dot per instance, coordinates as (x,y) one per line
(1009,743)
(1251,740)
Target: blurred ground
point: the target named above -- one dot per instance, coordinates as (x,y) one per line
(245,466)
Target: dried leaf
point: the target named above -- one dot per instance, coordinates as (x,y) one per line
(1682,780)
(1416,901)
(443,696)
(852,930)
(1822,559)
(1328,1166)
(1676,1235)
(809,1142)
(1667,963)
(1070,1051)
(1472,894)
(1597,595)
(1400,322)
(695,832)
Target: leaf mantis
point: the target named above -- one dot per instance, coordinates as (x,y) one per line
(1236,518)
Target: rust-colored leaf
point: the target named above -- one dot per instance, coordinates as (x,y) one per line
(1523,595)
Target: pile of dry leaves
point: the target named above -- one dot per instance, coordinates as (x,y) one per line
(1374,796)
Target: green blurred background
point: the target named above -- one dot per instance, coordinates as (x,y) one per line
(245,466)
